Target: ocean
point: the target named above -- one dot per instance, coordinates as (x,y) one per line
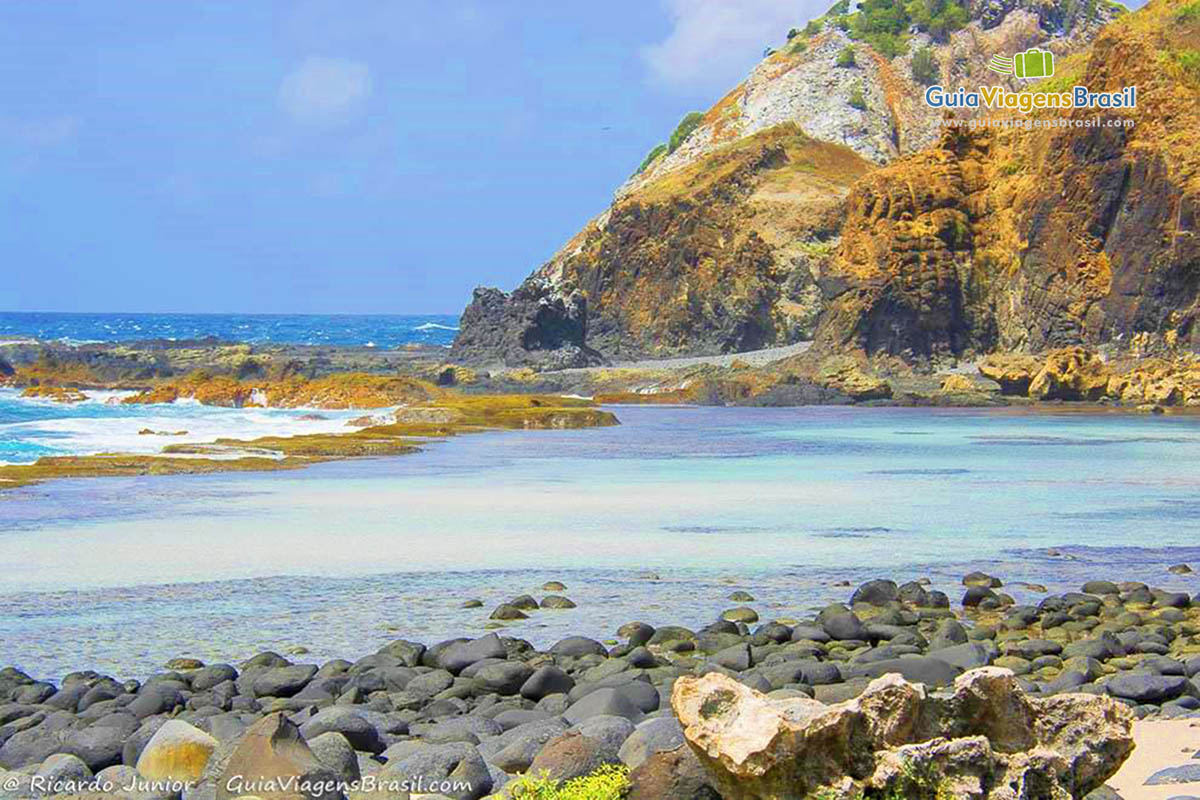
(30,429)
(346,330)
(657,519)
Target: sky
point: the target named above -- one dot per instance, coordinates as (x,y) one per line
(334,156)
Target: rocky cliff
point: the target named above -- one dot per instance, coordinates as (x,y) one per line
(822,198)
(1024,240)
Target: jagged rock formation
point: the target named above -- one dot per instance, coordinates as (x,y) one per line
(540,324)
(1026,240)
(986,739)
(727,243)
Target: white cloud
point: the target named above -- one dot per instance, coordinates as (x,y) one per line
(325,91)
(714,43)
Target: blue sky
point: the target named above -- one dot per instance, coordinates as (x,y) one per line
(349,156)
(334,155)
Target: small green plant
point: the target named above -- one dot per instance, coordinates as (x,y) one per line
(797,46)
(1189,13)
(856,99)
(651,157)
(1011,167)
(925,69)
(818,249)
(813,27)
(845,59)
(609,782)
(793,33)
(1188,62)
(684,129)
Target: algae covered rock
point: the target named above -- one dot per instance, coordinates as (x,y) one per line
(1070,374)
(846,376)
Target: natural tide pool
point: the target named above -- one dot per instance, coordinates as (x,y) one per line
(121,574)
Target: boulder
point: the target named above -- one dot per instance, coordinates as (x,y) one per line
(987,736)
(457,763)
(842,625)
(654,735)
(608,701)
(176,752)
(503,677)
(332,750)
(460,655)
(269,760)
(356,728)
(546,680)
(572,755)
(876,593)
(514,750)
(1146,687)
(577,646)
(671,775)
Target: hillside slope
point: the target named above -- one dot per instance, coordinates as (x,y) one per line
(1014,240)
(788,211)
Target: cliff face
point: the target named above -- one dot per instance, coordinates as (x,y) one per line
(721,256)
(1017,240)
(822,198)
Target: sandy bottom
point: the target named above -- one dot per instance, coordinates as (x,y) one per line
(1160,744)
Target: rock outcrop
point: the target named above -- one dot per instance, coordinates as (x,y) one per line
(986,739)
(1020,240)
(539,324)
(724,255)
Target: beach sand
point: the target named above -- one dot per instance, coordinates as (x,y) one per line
(1160,744)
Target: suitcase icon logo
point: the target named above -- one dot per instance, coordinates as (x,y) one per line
(1031,64)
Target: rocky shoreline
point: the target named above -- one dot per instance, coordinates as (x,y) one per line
(493,711)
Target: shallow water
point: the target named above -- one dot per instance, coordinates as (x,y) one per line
(121,574)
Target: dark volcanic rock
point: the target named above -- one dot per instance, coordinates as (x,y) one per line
(538,325)
(1147,688)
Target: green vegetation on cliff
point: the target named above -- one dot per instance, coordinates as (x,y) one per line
(884,24)
(925,70)
(684,129)
(655,153)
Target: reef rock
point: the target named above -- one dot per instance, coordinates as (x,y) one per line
(1070,374)
(985,739)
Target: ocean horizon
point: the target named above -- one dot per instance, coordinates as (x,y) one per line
(384,331)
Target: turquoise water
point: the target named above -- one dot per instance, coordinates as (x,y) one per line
(349,330)
(121,574)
